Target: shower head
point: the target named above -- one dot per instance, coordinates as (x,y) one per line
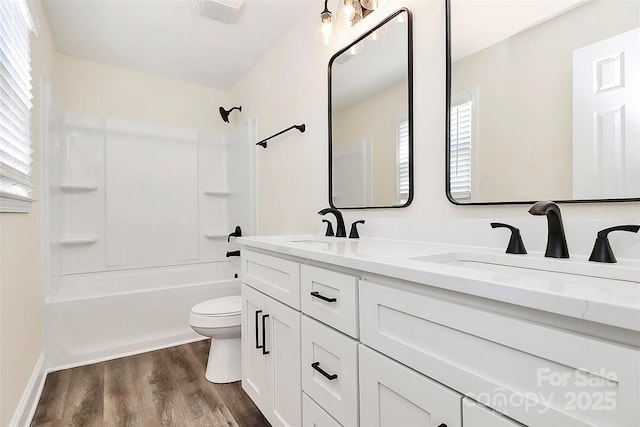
(225,113)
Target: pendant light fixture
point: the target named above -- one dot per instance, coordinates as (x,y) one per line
(327,33)
(348,14)
(370,4)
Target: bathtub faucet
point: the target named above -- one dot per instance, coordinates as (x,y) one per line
(236,233)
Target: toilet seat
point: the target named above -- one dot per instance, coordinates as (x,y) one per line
(225,306)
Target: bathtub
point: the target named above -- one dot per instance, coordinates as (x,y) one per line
(98,316)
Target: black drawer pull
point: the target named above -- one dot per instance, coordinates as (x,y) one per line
(264,343)
(322,297)
(330,377)
(258,342)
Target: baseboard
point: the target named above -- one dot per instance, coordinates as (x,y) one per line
(31,395)
(117,353)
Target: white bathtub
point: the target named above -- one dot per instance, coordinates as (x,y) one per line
(97,316)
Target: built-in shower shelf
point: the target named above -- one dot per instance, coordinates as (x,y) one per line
(80,239)
(215,235)
(218,192)
(78,187)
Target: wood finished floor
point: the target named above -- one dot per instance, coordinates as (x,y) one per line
(160,388)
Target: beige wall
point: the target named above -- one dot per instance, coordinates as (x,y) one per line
(20,255)
(89,87)
(289,85)
(530,76)
(376,119)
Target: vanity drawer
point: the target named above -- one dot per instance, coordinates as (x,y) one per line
(334,299)
(279,278)
(333,383)
(313,415)
(537,374)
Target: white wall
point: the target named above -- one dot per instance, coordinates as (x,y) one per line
(20,286)
(84,86)
(289,85)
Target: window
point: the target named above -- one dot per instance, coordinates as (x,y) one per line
(403,161)
(15,106)
(461,144)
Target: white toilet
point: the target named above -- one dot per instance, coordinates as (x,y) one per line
(219,319)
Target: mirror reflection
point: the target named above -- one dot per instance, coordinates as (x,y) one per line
(370,141)
(544,101)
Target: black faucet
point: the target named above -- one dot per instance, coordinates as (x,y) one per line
(340,230)
(516,245)
(237,233)
(329,232)
(354,229)
(602,249)
(556,241)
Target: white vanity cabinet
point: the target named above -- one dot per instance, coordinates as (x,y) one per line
(477,415)
(352,348)
(537,374)
(393,395)
(270,357)
(271,337)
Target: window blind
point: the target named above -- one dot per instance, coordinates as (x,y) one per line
(460,150)
(403,161)
(15,99)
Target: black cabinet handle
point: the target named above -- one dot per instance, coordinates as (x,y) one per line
(330,377)
(322,297)
(264,343)
(258,342)
(442,425)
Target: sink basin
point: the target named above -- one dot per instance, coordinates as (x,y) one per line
(312,243)
(531,266)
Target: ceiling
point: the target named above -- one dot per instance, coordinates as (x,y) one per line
(166,38)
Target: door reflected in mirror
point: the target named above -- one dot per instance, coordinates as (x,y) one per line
(544,101)
(370,118)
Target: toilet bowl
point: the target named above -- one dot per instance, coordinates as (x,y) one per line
(219,319)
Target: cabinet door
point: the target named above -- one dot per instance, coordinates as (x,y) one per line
(314,416)
(333,382)
(284,399)
(254,362)
(477,415)
(394,395)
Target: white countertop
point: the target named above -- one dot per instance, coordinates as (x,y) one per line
(608,301)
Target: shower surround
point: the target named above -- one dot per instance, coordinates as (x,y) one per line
(136,230)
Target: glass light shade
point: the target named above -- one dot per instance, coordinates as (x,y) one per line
(349,13)
(370,4)
(327,32)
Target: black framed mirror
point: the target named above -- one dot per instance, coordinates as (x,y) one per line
(371,118)
(543,101)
